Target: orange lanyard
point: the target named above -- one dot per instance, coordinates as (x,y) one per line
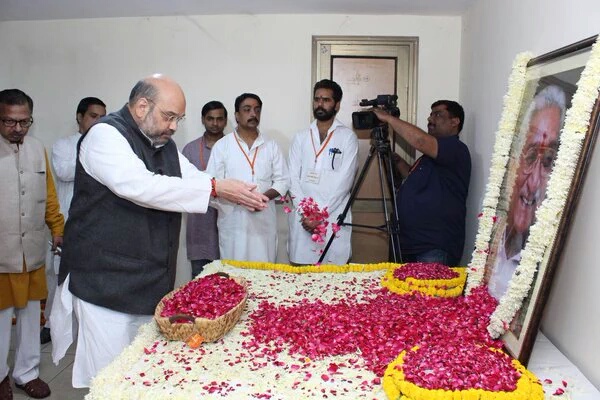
(250,163)
(317,154)
(202,163)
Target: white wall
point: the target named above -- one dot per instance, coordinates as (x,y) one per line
(213,57)
(494,31)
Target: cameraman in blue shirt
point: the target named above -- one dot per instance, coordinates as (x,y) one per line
(431,201)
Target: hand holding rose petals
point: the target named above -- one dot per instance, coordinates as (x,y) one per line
(314,219)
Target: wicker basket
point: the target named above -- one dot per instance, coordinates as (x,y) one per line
(210,329)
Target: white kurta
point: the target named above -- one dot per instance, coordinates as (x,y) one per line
(64,158)
(328,181)
(246,235)
(107,157)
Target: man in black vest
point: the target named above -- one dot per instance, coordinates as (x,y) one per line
(121,240)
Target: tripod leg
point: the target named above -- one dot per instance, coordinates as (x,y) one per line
(394,222)
(391,221)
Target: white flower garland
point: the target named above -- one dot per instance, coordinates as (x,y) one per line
(543,231)
(504,139)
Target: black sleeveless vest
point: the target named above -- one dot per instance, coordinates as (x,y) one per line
(120,255)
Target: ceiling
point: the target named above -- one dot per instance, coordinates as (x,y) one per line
(19,10)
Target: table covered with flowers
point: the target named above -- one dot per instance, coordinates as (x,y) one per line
(329,332)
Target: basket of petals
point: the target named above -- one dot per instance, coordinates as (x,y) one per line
(208,307)
(432,279)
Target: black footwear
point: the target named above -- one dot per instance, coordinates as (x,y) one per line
(37,388)
(45,335)
(5,389)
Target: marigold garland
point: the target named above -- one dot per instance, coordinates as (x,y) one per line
(309,269)
(396,387)
(431,287)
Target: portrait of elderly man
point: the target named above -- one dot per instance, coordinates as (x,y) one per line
(542,125)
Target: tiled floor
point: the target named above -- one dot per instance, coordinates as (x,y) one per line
(57,376)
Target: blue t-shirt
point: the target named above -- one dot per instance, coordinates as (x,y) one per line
(431,200)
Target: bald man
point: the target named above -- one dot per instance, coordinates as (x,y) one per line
(121,240)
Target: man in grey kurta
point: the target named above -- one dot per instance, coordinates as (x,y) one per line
(202,236)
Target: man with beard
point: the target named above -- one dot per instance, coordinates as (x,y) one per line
(432,197)
(541,127)
(122,236)
(202,236)
(248,155)
(323,161)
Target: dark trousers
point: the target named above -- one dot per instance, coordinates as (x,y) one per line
(198,266)
(430,256)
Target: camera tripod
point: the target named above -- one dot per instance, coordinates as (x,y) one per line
(380,147)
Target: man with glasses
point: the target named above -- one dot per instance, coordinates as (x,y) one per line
(64,155)
(29,202)
(541,128)
(322,166)
(432,198)
(122,236)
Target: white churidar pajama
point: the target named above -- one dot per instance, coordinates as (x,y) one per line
(27,350)
(103,333)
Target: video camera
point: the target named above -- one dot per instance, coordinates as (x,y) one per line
(368,119)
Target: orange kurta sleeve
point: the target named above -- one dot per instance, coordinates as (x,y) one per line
(54,219)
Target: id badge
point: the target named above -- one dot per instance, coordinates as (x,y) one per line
(313,176)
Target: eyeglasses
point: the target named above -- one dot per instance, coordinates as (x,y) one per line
(169,117)
(544,154)
(11,123)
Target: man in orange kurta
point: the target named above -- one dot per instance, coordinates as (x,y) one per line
(29,202)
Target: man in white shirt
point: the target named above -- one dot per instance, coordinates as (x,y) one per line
(248,155)
(64,156)
(323,161)
(121,240)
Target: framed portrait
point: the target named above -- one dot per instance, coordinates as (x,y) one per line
(543,146)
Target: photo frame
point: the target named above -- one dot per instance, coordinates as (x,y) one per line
(543,146)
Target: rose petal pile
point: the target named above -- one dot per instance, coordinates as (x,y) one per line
(377,327)
(310,334)
(460,367)
(207,297)
(457,371)
(432,279)
(424,271)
